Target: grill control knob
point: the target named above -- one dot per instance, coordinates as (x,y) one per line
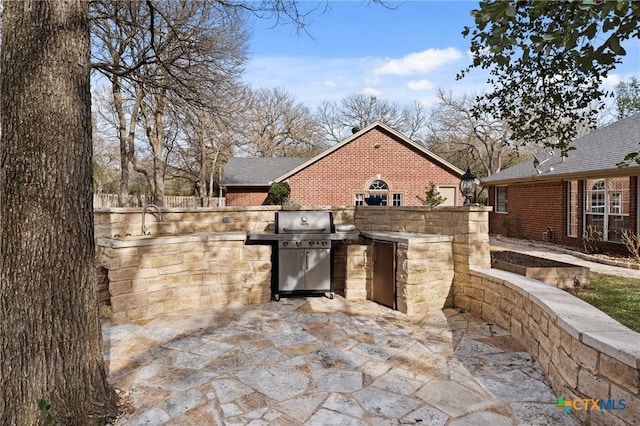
(285,243)
(298,243)
(311,243)
(324,243)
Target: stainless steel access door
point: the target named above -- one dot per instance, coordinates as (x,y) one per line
(384,273)
(317,269)
(304,269)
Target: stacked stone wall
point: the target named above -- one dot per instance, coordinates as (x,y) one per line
(148,280)
(585,353)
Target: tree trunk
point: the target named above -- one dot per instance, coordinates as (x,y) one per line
(50,336)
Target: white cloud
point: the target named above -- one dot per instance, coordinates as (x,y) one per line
(370,91)
(330,83)
(419,63)
(420,85)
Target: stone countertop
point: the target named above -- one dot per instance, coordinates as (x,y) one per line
(405,237)
(161,239)
(272,236)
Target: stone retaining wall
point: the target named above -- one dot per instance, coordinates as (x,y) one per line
(128,221)
(585,353)
(161,275)
(155,276)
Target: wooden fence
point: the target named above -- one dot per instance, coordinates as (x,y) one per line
(111,200)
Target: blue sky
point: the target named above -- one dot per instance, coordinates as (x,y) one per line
(404,53)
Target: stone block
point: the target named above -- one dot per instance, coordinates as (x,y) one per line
(631,414)
(591,385)
(620,373)
(475,306)
(123,274)
(157,261)
(176,268)
(566,341)
(147,273)
(488,312)
(117,288)
(127,302)
(463,302)
(584,355)
(568,369)
(605,418)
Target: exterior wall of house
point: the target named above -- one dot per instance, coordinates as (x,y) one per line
(336,178)
(246,196)
(533,208)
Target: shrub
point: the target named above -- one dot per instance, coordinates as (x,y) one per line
(631,240)
(591,238)
(432,197)
(279,193)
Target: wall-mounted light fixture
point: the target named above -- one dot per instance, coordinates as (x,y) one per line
(468,186)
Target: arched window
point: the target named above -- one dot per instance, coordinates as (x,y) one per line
(378,185)
(378,193)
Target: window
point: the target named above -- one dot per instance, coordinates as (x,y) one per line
(501,199)
(607,206)
(597,197)
(377,200)
(572,208)
(378,194)
(378,185)
(397,199)
(358,199)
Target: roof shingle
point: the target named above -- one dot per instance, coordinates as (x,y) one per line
(599,152)
(257,171)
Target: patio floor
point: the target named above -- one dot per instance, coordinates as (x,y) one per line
(317,361)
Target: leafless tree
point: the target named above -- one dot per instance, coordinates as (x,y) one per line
(205,142)
(157,54)
(50,338)
(468,141)
(278,126)
(358,111)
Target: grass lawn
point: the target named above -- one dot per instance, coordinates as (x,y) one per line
(618,297)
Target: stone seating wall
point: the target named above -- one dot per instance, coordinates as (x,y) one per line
(584,352)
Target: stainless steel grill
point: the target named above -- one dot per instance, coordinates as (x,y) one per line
(304,252)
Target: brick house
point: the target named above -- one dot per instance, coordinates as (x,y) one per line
(561,199)
(376,165)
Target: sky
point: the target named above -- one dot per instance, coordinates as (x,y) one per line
(404,52)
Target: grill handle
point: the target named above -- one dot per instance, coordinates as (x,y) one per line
(302,261)
(305,230)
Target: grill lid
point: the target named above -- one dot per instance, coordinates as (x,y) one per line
(303,222)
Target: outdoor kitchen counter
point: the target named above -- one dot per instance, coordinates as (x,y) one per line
(272,236)
(163,239)
(406,237)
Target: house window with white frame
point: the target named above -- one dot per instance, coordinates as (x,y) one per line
(397,199)
(607,203)
(572,208)
(501,199)
(378,193)
(358,199)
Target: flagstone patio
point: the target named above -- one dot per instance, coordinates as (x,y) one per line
(318,361)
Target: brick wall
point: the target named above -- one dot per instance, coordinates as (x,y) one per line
(534,207)
(246,196)
(334,179)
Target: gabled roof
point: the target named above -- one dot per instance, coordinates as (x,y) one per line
(597,153)
(257,171)
(356,135)
(262,171)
